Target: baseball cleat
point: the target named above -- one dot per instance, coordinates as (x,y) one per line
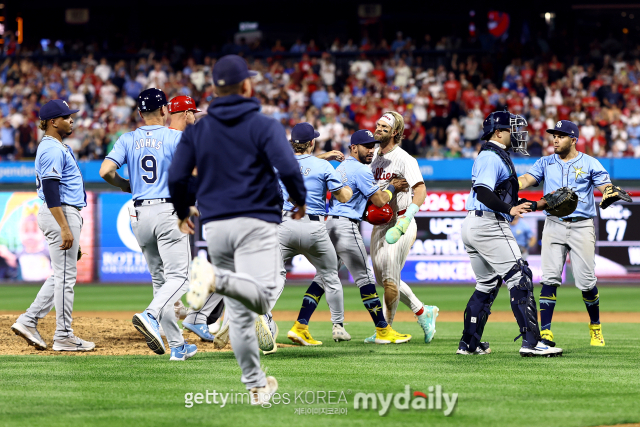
(299,334)
(215,327)
(222,337)
(273,327)
(202,283)
(539,350)
(201,330)
(148,326)
(31,335)
(483,348)
(387,335)
(184,352)
(547,337)
(595,331)
(340,334)
(180,310)
(427,321)
(262,395)
(371,339)
(265,338)
(73,344)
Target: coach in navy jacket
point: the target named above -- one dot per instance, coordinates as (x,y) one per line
(235,148)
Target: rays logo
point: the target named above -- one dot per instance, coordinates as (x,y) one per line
(370,134)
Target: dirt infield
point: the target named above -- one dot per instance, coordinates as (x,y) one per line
(114,334)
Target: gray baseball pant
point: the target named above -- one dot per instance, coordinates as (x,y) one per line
(209,313)
(58,288)
(576,238)
(246,257)
(168,255)
(310,238)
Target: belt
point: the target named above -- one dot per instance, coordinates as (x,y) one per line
(355,221)
(497,215)
(75,207)
(311,217)
(148,202)
(574,219)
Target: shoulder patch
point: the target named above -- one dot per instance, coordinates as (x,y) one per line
(53,169)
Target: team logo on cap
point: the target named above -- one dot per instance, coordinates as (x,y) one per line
(559,124)
(220,82)
(65,103)
(370,134)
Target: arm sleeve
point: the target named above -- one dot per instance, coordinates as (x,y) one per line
(537,170)
(332,178)
(280,155)
(366,183)
(52,164)
(599,175)
(51,190)
(180,170)
(118,154)
(490,200)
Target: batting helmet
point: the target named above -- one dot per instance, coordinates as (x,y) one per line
(182,103)
(151,99)
(378,216)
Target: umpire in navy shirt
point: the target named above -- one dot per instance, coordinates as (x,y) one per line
(235,149)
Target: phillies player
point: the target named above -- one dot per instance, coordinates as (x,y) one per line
(183,112)
(390,243)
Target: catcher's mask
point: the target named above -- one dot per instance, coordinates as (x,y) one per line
(514,123)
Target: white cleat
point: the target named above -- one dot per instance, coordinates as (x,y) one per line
(262,395)
(202,283)
(340,334)
(73,344)
(214,327)
(31,335)
(222,337)
(540,350)
(273,327)
(263,332)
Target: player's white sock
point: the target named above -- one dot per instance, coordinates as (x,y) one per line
(408,298)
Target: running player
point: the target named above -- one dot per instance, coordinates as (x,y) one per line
(148,152)
(391,161)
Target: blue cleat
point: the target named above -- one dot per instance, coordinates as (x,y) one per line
(201,330)
(148,326)
(371,339)
(184,352)
(427,321)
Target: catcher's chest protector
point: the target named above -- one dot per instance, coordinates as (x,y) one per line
(507,191)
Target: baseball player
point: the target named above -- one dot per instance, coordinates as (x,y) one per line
(183,112)
(148,152)
(389,255)
(236,149)
(59,184)
(493,251)
(574,233)
(309,236)
(343,226)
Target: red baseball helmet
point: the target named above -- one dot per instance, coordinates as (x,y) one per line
(182,103)
(378,216)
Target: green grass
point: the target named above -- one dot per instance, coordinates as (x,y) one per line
(586,387)
(448,298)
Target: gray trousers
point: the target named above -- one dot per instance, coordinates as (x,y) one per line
(168,256)
(247,263)
(310,238)
(209,313)
(57,289)
(576,238)
(492,249)
(347,241)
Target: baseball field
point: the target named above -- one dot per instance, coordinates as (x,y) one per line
(123,383)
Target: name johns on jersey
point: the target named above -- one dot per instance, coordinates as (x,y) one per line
(148,142)
(379,174)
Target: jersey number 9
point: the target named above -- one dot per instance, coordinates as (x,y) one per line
(149,164)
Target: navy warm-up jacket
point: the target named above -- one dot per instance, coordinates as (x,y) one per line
(235,148)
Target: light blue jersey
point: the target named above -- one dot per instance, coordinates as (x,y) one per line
(360,178)
(55,160)
(522,233)
(488,171)
(319,176)
(583,174)
(147,152)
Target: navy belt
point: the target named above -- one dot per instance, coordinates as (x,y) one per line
(311,217)
(498,216)
(75,207)
(574,219)
(140,202)
(355,221)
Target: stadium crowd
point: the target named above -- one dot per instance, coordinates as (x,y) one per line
(443,104)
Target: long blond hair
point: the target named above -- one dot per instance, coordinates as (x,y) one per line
(398,126)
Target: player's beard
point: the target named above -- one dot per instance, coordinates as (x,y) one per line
(382,139)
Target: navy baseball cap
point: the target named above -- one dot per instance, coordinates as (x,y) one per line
(565,127)
(362,136)
(151,99)
(231,69)
(303,132)
(55,108)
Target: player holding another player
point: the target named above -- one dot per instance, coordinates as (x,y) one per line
(182,110)
(574,233)
(343,226)
(391,243)
(148,152)
(493,252)
(59,184)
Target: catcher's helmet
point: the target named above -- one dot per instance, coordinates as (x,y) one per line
(512,122)
(378,216)
(151,99)
(183,103)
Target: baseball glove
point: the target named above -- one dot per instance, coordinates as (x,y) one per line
(612,194)
(561,202)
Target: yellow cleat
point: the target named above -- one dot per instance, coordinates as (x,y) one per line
(299,334)
(596,335)
(389,336)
